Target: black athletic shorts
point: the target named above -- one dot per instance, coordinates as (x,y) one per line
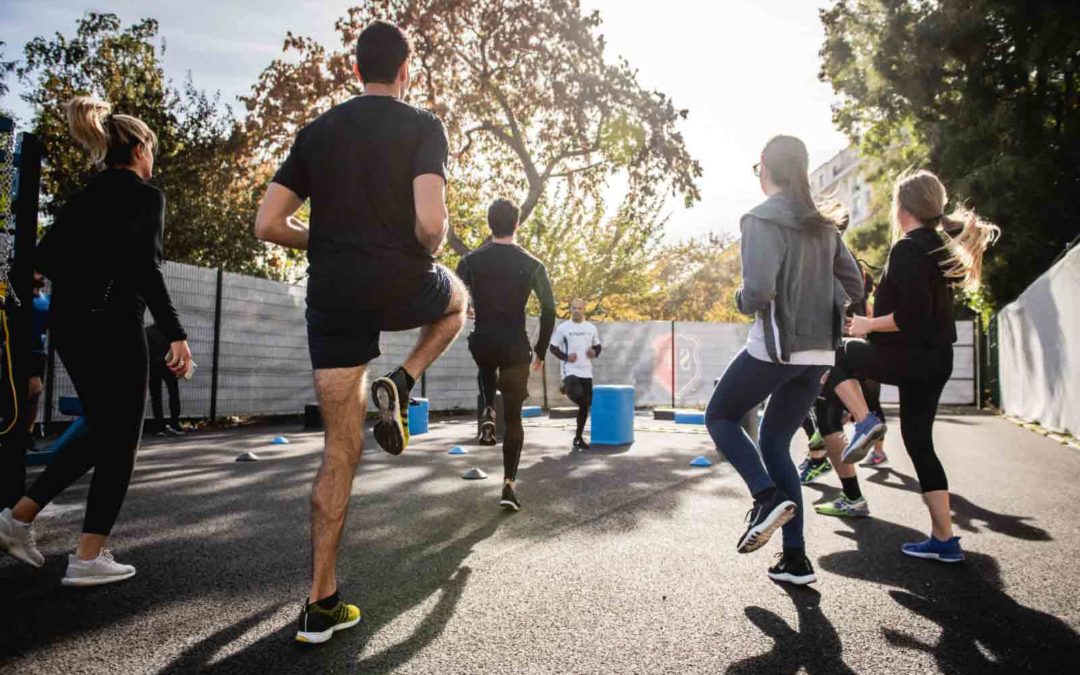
(342,338)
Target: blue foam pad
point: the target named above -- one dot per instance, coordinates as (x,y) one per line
(418,416)
(689,417)
(612,415)
(531,411)
(71,405)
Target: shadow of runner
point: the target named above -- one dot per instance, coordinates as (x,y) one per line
(965,513)
(439,572)
(983,630)
(814,647)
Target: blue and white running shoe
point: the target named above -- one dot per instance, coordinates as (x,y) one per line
(866,434)
(934,549)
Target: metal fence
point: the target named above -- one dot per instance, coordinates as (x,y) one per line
(249,337)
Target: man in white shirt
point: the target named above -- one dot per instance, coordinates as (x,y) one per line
(576,343)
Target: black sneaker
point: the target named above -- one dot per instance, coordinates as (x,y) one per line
(487,427)
(798,571)
(765,518)
(580,444)
(509,499)
(317,625)
(173,431)
(391,397)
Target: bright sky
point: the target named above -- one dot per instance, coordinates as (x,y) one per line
(745,69)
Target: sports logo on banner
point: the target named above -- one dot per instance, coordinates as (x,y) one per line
(681,360)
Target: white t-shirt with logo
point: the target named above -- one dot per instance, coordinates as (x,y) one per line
(576,338)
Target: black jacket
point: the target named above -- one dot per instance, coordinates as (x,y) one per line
(104,253)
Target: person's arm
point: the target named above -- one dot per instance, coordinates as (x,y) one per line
(149,282)
(762,250)
(464,273)
(846,271)
(908,269)
(429,188)
(555,348)
(276,222)
(594,349)
(541,286)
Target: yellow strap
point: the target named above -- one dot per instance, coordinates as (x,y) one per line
(10,372)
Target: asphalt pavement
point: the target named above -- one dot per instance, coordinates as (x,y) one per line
(622,561)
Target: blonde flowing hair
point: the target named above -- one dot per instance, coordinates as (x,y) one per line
(110,139)
(967,236)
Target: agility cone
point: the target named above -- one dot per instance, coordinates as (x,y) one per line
(701,460)
(474,474)
(247,457)
(279,440)
(458,450)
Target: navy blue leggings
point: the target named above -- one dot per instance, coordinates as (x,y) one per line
(791,391)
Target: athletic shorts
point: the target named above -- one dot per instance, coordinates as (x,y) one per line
(342,338)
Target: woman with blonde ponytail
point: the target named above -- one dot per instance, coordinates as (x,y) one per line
(103,255)
(908,342)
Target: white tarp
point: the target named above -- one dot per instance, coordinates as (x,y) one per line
(1039,369)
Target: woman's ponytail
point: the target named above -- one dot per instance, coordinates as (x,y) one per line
(86,118)
(110,139)
(966,239)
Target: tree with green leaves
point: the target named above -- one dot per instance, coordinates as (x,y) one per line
(200,159)
(528,98)
(986,93)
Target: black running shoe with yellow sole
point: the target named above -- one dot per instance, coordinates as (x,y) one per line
(392,400)
(317,625)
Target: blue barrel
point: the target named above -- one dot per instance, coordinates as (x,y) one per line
(612,415)
(418,416)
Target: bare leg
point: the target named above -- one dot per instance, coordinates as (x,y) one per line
(834,447)
(940,514)
(851,395)
(341,395)
(25,510)
(437,337)
(90,546)
(36,388)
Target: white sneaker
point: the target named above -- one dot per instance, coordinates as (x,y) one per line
(101,570)
(17,540)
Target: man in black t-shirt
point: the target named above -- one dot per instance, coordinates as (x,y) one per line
(374,169)
(501,276)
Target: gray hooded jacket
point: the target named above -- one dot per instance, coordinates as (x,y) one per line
(797,281)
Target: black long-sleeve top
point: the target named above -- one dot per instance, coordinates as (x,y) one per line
(500,278)
(104,252)
(915,291)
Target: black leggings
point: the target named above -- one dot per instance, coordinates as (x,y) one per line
(579,390)
(105,356)
(158,374)
(502,368)
(920,375)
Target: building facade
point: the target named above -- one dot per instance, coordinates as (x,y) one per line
(841,179)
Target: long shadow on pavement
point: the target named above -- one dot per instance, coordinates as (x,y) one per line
(966,513)
(217,543)
(813,645)
(983,630)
